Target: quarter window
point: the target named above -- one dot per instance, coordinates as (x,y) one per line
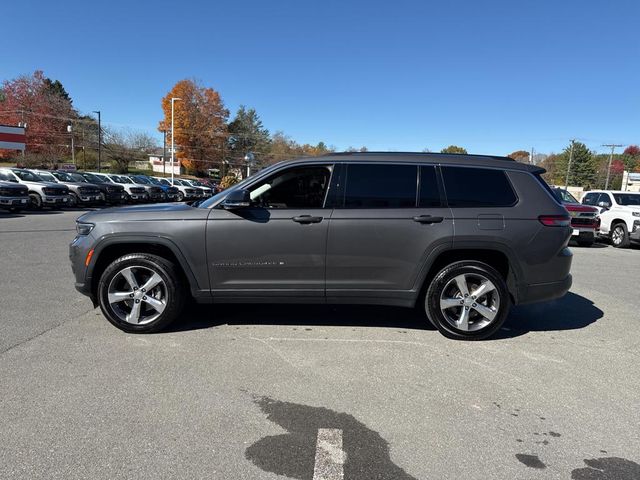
(477,187)
(303,187)
(381,186)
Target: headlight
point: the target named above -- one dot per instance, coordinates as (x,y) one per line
(635,214)
(84,228)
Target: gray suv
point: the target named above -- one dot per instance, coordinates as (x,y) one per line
(461,237)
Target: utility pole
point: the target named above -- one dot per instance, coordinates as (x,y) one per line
(99,139)
(173,100)
(566,182)
(531,157)
(84,156)
(613,146)
(164,153)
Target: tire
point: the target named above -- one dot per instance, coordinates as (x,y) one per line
(180,197)
(36,201)
(445,287)
(620,236)
(168,293)
(74,201)
(127,198)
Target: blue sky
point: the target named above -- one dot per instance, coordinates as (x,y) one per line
(493,76)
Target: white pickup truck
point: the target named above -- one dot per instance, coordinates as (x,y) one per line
(619,215)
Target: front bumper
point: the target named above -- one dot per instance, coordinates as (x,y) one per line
(14,202)
(90,198)
(55,199)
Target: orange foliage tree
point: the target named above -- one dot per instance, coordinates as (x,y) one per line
(200,125)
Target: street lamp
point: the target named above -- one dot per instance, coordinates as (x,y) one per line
(99,139)
(73,152)
(249,159)
(173,100)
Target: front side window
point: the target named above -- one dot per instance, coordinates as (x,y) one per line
(381,186)
(300,187)
(477,187)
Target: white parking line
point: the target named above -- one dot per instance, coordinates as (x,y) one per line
(329,455)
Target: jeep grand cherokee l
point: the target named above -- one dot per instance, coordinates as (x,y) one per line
(461,237)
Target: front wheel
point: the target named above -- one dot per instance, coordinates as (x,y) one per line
(620,236)
(180,196)
(141,293)
(467,300)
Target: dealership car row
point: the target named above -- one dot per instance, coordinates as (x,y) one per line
(34,189)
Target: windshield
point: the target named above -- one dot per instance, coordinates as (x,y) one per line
(27,176)
(6,177)
(65,177)
(141,179)
(163,181)
(564,196)
(119,179)
(95,178)
(47,177)
(627,198)
(154,181)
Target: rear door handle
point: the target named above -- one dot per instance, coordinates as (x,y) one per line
(307,219)
(427,219)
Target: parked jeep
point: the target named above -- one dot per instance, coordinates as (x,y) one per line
(41,193)
(619,215)
(13,196)
(370,228)
(80,193)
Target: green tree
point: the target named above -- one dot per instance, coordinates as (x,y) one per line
(583,166)
(247,134)
(453,149)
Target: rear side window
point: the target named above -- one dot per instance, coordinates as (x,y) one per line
(477,187)
(381,186)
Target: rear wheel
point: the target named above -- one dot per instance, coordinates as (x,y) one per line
(467,300)
(141,293)
(73,200)
(180,196)
(620,236)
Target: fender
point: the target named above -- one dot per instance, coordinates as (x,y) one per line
(116,239)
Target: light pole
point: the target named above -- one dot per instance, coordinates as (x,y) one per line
(249,159)
(99,139)
(164,153)
(73,152)
(173,100)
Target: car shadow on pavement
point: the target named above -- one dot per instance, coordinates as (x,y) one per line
(568,313)
(308,315)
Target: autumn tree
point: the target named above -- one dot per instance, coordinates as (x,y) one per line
(247,134)
(521,156)
(45,106)
(453,149)
(631,158)
(200,125)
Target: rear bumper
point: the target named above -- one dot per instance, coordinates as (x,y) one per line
(541,292)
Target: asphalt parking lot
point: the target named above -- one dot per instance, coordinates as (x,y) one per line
(254,392)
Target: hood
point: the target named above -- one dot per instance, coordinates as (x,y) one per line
(43,184)
(578,207)
(12,185)
(158,211)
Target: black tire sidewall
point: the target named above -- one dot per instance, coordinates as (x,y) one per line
(169,274)
(432,299)
(35,201)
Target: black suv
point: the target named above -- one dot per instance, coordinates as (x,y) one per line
(462,237)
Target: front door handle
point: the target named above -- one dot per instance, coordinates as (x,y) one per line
(427,219)
(307,219)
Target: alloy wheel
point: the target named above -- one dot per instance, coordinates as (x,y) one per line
(137,295)
(617,235)
(470,302)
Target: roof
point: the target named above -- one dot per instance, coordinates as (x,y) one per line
(434,158)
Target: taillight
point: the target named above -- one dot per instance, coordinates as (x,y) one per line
(555,220)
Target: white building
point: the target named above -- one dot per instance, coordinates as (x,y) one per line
(630,182)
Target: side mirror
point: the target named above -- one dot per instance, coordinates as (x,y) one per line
(237,199)
(603,205)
